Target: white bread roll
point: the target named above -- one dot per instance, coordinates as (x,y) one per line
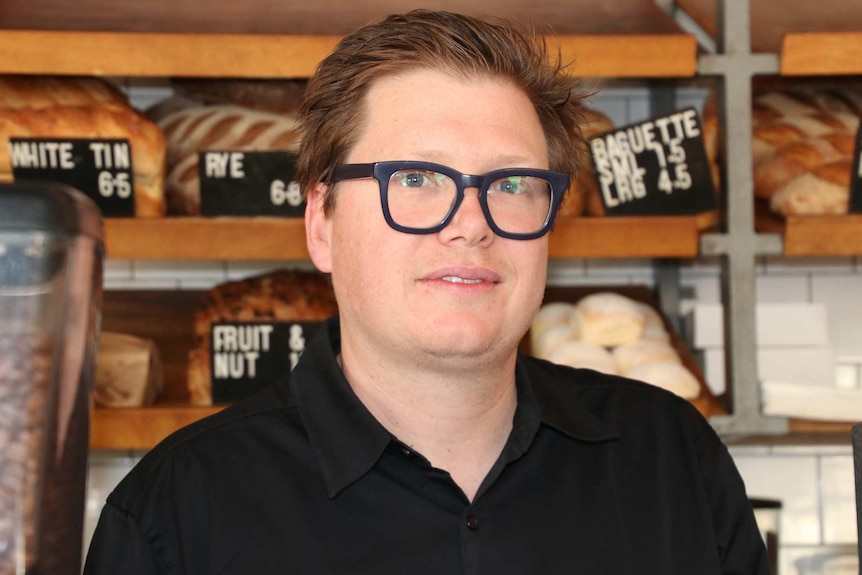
(576,353)
(609,319)
(654,328)
(642,351)
(671,376)
(544,342)
(551,315)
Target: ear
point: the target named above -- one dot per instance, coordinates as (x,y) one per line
(318,229)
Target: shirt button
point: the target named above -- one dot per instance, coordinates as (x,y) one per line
(472,522)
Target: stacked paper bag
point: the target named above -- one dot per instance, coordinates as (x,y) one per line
(795,362)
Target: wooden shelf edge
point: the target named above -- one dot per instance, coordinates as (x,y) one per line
(625,237)
(839,235)
(821,53)
(151,54)
(206,238)
(629,56)
(143,427)
(263,238)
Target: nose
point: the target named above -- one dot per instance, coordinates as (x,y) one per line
(469,224)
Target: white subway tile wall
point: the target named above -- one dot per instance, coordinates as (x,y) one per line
(814,483)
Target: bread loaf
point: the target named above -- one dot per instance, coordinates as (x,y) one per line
(281,97)
(191,130)
(281,295)
(803,144)
(84,108)
(584,192)
(825,189)
(796,132)
(128,371)
(39,92)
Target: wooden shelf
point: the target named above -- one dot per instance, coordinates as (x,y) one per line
(273,38)
(811,37)
(284,238)
(812,54)
(206,238)
(816,235)
(295,56)
(141,428)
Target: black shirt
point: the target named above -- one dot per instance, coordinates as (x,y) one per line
(600,475)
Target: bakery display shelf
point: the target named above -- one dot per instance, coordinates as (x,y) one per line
(811,38)
(828,235)
(141,427)
(802,432)
(168,317)
(822,53)
(192,238)
(264,238)
(295,56)
(271,38)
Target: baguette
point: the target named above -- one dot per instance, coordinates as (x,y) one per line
(823,190)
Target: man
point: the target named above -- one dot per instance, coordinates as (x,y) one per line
(412,437)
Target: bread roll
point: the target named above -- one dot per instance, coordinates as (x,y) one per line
(609,319)
(671,376)
(629,355)
(546,341)
(654,328)
(550,317)
(582,354)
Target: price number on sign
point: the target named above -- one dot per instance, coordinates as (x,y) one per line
(111,185)
(673,161)
(281,193)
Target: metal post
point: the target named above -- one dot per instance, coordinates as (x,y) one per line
(739,244)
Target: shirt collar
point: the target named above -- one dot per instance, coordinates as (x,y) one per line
(348,440)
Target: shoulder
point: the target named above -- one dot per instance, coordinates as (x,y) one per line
(626,404)
(194,450)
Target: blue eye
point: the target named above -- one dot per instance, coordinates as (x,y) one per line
(417,179)
(512,185)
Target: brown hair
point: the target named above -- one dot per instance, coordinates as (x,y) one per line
(331,113)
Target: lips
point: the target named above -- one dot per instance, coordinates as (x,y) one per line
(464,276)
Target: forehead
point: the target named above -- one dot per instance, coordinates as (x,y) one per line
(435,115)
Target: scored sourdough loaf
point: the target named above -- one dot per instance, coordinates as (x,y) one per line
(84,108)
(193,129)
(278,296)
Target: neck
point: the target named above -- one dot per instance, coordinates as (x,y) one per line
(458,418)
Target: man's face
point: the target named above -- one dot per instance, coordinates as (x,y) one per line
(456,296)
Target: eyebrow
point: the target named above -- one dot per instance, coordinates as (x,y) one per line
(504,161)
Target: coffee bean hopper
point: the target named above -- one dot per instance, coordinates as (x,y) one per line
(51,256)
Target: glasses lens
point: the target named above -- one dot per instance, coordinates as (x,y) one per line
(520,204)
(420,198)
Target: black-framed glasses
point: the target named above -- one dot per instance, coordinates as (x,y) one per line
(423,197)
